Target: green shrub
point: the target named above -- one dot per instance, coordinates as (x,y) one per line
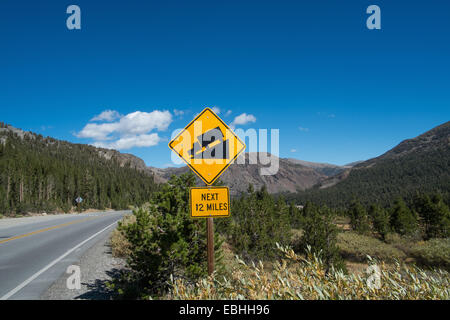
(257,223)
(66,207)
(319,236)
(164,241)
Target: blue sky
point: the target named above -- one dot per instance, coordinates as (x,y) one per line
(337,91)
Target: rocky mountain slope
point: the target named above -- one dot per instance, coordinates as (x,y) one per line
(293,175)
(431,141)
(418,164)
(325,168)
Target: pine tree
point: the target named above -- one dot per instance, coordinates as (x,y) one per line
(380,219)
(257,223)
(295,216)
(359,219)
(320,234)
(403,220)
(435,215)
(42,174)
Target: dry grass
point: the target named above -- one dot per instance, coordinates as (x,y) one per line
(343,223)
(434,252)
(120,246)
(356,247)
(295,277)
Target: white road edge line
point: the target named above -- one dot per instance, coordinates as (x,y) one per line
(51,264)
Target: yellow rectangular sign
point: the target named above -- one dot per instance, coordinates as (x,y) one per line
(210,202)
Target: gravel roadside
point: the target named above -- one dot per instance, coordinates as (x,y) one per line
(97,266)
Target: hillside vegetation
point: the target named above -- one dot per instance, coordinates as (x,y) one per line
(416,165)
(270,249)
(40,174)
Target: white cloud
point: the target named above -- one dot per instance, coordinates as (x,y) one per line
(293,150)
(98,131)
(243,119)
(143,140)
(178,113)
(228,113)
(216,110)
(107,115)
(303,129)
(141,122)
(132,130)
(326,115)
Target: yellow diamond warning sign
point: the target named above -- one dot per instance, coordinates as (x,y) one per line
(207,145)
(210,202)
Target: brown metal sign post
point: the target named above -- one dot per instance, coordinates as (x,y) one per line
(209,202)
(210,244)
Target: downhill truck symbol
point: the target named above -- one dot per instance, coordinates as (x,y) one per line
(210,145)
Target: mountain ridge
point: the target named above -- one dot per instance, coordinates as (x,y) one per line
(413,161)
(420,164)
(293,174)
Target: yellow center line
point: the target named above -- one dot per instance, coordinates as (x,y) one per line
(47,229)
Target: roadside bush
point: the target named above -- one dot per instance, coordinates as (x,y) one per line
(164,241)
(120,246)
(66,207)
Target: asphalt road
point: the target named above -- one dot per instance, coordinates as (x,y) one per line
(36,251)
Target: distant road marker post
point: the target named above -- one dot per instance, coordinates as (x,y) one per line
(79,200)
(208,146)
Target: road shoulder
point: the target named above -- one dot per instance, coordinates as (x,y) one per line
(97,266)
